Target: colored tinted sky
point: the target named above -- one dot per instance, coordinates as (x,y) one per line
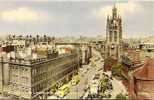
(67,18)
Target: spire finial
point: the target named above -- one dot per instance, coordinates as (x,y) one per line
(114,11)
(114,5)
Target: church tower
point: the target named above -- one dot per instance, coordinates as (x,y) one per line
(114,35)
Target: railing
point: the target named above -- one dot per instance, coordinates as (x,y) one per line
(26,62)
(36,61)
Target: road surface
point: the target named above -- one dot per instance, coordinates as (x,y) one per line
(77,91)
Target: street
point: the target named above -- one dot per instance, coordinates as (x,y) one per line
(86,74)
(77,91)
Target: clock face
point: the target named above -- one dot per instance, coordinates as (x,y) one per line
(112,46)
(115,23)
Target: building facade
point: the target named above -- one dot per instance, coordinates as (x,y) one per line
(34,78)
(114,35)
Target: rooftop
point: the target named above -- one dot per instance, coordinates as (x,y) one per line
(147,71)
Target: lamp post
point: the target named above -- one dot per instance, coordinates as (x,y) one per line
(2,74)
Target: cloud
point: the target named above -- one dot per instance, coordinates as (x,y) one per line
(26,0)
(124,8)
(22,14)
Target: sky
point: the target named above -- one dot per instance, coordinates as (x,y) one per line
(68,18)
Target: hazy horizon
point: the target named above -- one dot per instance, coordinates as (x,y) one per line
(66,18)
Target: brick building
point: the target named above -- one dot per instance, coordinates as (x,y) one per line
(109,63)
(131,58)
(134,55)
(142,85)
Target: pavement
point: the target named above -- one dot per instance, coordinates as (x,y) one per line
(118,88)
(4,98)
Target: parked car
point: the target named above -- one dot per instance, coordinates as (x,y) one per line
(110,87)
(96,77)
(94,88)
(111,78)
(95,84)
(100,69)
(85,70)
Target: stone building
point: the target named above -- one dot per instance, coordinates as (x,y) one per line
(34,78)
(147,50)
(114,35)
(85,54)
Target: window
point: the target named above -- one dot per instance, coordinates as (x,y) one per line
(110,36)
(34,71)
(115,35)
(33,90)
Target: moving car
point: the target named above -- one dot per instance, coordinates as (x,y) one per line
(62,91)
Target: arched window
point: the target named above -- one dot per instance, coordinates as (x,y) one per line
(115,35)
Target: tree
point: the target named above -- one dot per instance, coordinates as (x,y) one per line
(104,83)
(116,70)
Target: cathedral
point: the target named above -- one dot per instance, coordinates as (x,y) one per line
(114,35)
